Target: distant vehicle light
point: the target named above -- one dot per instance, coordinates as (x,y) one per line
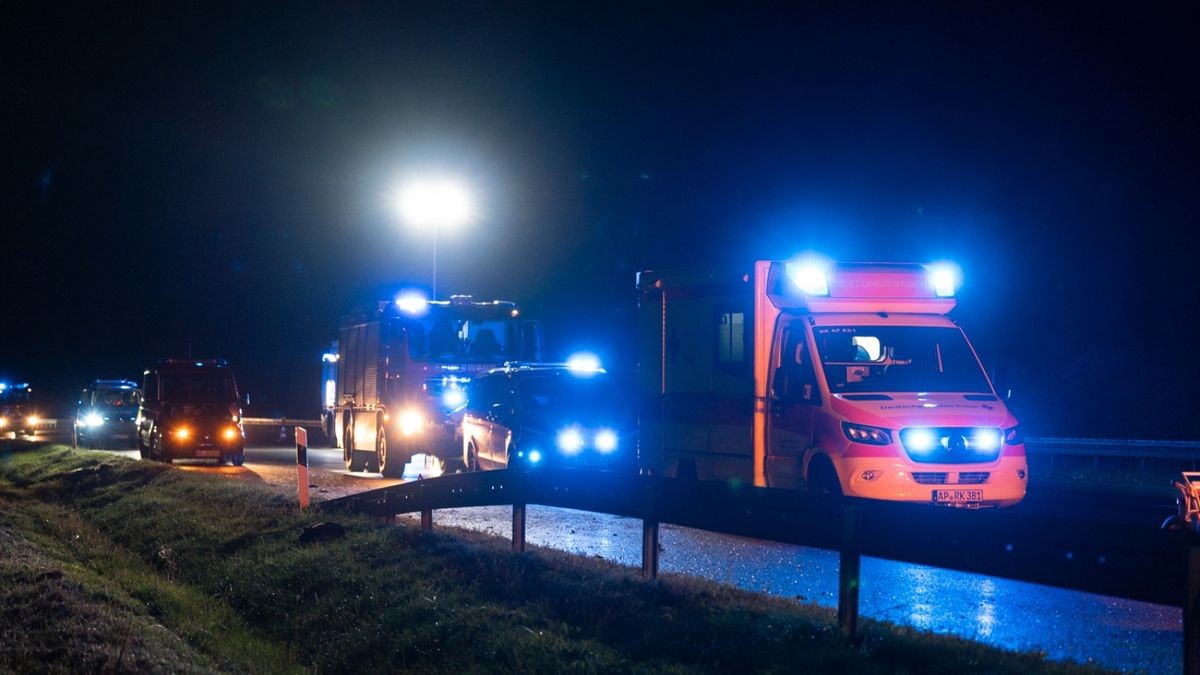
(329,358)
(3,386)
(584,363)
(535,456)
(33,420)
(920,440)
(413,303)
(985,440)
(810,276)
(3,422)
(411,422)
(183,433)
(944,278)
(93,420)
(229,434)
(570,441)
(606,440)
(454,398)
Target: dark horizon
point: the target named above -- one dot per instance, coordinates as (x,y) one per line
(221,175)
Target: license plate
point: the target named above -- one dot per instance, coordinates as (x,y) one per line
(208,453)
(957,497)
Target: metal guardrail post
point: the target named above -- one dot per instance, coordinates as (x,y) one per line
(1191,614)
(649,549)
(518,530)
(426,520)
(848,573)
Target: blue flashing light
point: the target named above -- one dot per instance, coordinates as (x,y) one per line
(985,440)
(606,440)
(570,440)
(920,440)
(584,363)
(810,275)
(535,456)
(411,302)
(944,279)
(454,398)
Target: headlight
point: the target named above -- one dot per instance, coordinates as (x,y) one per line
(535,456)
(411,422)
(454,398)
(182,433)
(230,433)
(3,422)
(92,420)
(606,440)
(861,433)
(570,441)
(1012,436)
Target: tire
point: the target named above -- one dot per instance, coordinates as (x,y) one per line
(352,458)
(390,462)
(471,460)
(238,458)
(823,478)
(142,449)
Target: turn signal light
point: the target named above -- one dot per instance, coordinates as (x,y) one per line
(229,433)
(183,433)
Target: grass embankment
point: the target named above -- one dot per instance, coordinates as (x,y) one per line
(111,564)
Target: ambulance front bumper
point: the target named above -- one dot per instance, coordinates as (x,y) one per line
(999,483)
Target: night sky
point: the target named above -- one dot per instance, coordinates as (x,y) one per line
(221,176)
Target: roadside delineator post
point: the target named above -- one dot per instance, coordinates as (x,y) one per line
(649,549)
(302,465)
(518,529)
(426,520)
(848,573)
(1191,614)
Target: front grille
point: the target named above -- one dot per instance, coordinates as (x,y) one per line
(972,477)
(952,445)
(930,477)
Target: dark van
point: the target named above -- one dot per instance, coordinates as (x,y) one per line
(190,410)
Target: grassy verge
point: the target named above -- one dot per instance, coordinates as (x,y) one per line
(218,565)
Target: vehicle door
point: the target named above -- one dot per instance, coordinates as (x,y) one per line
(502,418)
(476,426)
(794,398)
(148,410)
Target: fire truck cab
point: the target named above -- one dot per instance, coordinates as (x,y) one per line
(395,386)
(842,378)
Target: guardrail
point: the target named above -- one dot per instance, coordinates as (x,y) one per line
(278,422)
(1112,448)
(1085,555)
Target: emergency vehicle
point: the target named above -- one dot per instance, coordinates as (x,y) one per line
(395,386)
(17,413)
(842,378)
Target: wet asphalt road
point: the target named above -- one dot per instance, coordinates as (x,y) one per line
(1066,625)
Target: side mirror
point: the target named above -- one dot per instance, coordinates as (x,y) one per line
(1002,383)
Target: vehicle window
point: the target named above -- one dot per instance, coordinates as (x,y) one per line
(898,359)
(214,387)
(564,390)
(455,339)
(116,398)
(483,392)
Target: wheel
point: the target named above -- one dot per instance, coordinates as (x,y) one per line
(389,461)
(143,451)
(238,458)
(822,478)
(349,455)
(471,461)
(159,455)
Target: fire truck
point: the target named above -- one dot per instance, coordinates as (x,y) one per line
(17,412)
(394,385)
(849,379)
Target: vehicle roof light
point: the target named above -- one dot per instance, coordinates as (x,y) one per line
(411,302)
(811,277)
(943,278)
(584,363)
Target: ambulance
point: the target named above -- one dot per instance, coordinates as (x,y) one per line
(844,378)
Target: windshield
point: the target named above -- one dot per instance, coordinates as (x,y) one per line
(450,339)
(566,391)
(209,387)
(898,359)
(14,395)
(115,398)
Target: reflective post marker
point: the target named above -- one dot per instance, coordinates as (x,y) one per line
(302,465)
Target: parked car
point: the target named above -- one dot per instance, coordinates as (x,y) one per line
(527,415)
(190,410)
(17,412)
(105,415)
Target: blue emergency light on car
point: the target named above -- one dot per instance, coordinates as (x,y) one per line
(810,276)
(584,363)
